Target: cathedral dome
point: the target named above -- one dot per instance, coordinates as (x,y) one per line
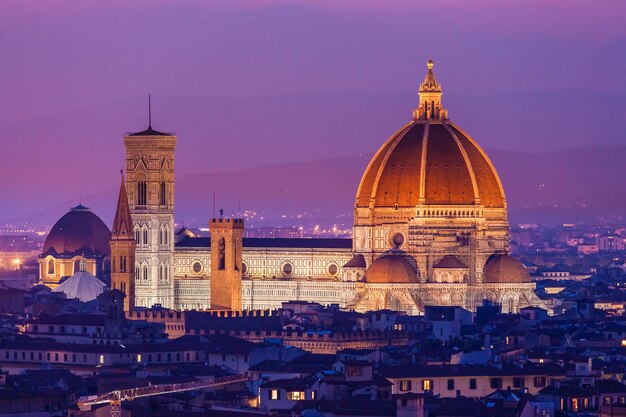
(78,232)
(430,161)
(504,269)
(391,269)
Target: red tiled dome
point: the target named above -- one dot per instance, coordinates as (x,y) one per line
(501,269)
(434,160)
(391,269)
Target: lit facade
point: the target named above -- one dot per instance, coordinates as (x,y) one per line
(150,189)
(430,228)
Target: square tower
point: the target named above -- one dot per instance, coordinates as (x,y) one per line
(150,186)
(226,263)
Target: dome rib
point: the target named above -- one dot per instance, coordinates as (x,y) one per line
(422,192)
(468,162)
(364,192)
(386,157)
(487,178)
(447,174)
(406,172)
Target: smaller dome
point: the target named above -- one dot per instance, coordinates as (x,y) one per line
(78,232)
(450,261)
(391,269)
(503,269)
(82,285)
(357,261)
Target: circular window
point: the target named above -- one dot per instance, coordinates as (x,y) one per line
(396,239)
(287,268)
(196,267)
(333,269)
(244,268)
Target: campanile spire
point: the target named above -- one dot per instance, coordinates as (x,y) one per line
(430,97)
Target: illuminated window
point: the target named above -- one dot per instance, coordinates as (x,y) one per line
(574,404)
(296,396)
(313,395)
(51,267)
(101,359)
(427,385)
(405,385)
(139,357)
(274,394)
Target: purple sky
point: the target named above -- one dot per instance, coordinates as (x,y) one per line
(66,55)
(290,81)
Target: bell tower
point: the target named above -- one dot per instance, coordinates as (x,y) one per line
(123,251)
(226,263)
(150,185)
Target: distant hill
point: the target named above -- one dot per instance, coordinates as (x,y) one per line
(58,160)
(583,184)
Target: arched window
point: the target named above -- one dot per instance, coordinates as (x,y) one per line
(51,267)
(162,194)
(222,253)
(142,193)
(145,273)
(145,237)
(137,276)
(76,265)
(122,264)
(137,236)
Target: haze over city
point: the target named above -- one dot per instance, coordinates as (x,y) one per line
(248,84)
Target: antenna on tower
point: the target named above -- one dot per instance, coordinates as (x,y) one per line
(213,203)
(149,111)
